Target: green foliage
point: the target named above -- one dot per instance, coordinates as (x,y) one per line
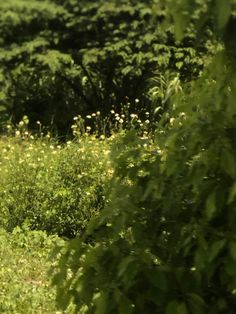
(52,187)
(23,33)
(25,286)
(165,243)
(184,12)
(61,58)
(154,230)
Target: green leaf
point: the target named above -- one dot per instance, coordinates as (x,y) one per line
(158,279)
(182,308)
(125,264)
(215,249)
(196,303)
(223,10)
(232,193)
(211,205)
(172,307)
(230,268)
(200,258)
(125,306)
(228,163)
(127,70)
(101,303)
(232,249)
(2,108)
(179,65)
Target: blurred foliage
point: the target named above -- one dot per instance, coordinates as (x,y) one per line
(61,58)
(25,286)
(166,242)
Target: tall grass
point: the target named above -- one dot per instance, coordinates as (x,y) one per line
(57,187)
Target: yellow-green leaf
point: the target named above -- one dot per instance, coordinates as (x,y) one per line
(211,205)
(232,193)
(223,10)
(232,249)
(228,163)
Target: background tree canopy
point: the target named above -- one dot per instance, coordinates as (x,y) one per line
(61,58)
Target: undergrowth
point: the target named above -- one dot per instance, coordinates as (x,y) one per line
(58,186)
(24,264)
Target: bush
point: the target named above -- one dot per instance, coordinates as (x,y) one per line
(166,242)
(63,58)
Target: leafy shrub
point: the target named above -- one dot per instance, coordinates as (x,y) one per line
(62,58)
(166,241)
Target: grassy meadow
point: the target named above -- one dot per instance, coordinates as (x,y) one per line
(49,191)
(25,285)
